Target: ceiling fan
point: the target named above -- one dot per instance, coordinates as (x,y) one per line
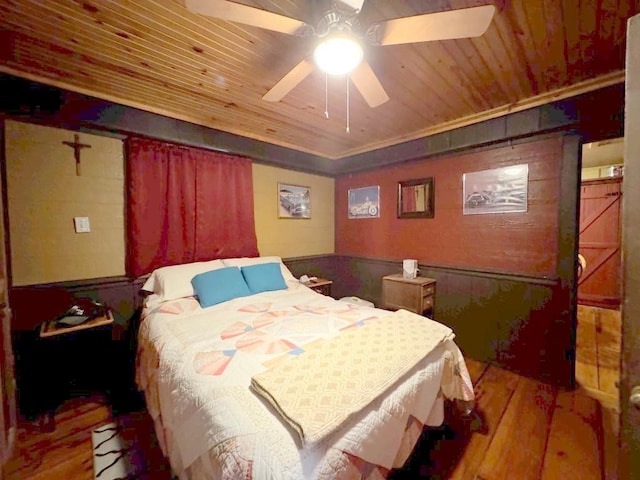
(339,49)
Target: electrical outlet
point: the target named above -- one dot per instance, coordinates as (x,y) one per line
(81,224)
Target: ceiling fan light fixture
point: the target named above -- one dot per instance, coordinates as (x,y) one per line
(338,54)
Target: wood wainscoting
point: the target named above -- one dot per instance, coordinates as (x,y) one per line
(33,304)
(512,321)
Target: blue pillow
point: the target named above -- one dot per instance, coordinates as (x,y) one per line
(219,285)
(264,277)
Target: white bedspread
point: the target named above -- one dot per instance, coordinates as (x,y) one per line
(195,366)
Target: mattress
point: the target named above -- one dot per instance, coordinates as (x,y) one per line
(196,366)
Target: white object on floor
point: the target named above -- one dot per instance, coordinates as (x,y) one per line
(357,301)
(111,455)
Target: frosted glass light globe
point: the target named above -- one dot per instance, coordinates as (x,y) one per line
(338,55)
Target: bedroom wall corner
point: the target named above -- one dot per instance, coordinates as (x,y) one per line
(289,237)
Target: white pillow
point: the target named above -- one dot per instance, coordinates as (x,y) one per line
(246,261)
(174,281)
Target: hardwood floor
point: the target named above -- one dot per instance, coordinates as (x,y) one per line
(66,453)
(523,430)
(599,343)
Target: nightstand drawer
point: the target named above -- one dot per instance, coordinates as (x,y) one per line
(414,294)
(428,289)
(427,303)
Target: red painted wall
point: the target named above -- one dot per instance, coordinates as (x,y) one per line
(519,243)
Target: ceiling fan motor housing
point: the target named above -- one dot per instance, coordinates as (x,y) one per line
(339,22)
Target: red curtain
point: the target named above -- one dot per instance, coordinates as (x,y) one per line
(186,205)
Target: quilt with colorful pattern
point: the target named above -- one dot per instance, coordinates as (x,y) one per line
(195,366)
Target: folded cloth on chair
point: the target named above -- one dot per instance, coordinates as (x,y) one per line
(332,380)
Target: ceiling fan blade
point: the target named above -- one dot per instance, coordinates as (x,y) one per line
(235,12)
(368,84)
(289,81)
(355,4)
(463,23)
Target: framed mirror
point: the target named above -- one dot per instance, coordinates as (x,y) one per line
(415,198)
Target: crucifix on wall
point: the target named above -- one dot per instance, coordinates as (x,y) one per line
(77,147)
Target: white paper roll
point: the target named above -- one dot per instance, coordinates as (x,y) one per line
(410,268)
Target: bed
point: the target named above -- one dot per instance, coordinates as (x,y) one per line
(283,382)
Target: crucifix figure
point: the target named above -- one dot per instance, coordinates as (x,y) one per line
(77,146)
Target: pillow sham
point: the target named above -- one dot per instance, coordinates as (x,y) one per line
(220,285)
(264,277)
(174,281)
(247,261)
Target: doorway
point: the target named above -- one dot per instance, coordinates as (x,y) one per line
(598,336)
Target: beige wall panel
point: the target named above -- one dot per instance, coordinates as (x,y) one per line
(293,237)
(590,173)
(44,194)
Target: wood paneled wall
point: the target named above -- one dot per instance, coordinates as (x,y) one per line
(519,243)
(46,190)
(34,304)
(512,321)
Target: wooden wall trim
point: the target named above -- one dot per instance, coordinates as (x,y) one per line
(576,114)
(83,284)
(396,264)
(508,320)
(595,115)
(29,101)
(33,304)
(568,245)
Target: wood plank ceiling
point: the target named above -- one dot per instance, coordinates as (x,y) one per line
(155,55)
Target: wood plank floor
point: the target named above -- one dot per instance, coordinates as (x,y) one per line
(598,353)
(598,342)
(523,430)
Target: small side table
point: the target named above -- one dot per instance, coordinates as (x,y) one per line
(67,361)
(50,327)
(413,294)
(321,285)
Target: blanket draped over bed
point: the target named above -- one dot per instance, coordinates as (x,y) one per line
(196,367)
(333,380)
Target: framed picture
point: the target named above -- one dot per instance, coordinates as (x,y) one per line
(364,202)
(500,190)
(294,201)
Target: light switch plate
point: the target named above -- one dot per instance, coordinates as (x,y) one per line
(81,224)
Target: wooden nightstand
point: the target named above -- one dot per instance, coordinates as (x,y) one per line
(413,294)
(321,285)
(50,328)
(59,362)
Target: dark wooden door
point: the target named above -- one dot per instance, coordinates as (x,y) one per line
(599,284)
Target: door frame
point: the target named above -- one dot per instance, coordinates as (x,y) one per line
(629,458)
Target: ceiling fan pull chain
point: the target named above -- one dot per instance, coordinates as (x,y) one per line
(348,103)
(326,96)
